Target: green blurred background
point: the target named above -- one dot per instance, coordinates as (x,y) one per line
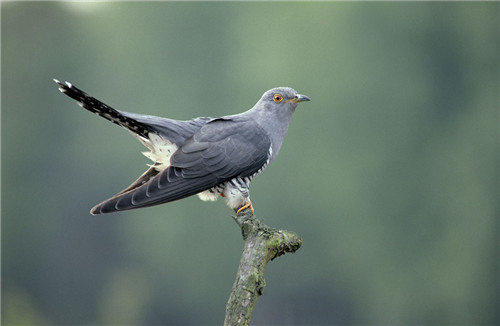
(390,174)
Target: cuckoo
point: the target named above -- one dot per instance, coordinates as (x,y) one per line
(209,156)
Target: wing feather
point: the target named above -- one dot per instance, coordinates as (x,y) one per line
(219,151)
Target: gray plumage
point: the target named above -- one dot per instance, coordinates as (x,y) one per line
(211,157)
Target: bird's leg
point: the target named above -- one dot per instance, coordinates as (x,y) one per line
(247,205)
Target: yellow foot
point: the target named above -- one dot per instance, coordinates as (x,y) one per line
(247,205)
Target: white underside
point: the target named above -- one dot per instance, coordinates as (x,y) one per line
(207,195)
(161,150)
(234,198)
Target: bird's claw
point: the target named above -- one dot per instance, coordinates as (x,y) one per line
(247,205)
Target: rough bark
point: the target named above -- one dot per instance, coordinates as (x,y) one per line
(261,245)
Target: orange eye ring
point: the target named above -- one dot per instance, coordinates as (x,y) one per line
(277,98)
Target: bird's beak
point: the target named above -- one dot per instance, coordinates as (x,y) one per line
(299,98)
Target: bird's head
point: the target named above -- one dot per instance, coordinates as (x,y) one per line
(277,104)
(282,99)
(283,96)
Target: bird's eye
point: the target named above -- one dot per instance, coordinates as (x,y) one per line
(277,98)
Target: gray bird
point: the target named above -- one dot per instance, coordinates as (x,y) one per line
(210,157)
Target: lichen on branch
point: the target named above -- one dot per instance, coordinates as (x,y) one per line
(261,245)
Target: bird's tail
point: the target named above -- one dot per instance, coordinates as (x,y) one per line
(94,105)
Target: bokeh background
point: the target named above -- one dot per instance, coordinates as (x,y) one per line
(390,174)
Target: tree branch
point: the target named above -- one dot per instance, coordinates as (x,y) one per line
(262,244)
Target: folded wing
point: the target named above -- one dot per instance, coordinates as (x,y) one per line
(219,151)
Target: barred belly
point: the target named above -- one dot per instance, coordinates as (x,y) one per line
(235,191)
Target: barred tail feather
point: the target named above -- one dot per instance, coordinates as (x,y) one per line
(95,106)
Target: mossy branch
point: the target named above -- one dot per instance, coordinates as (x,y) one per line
(262,244)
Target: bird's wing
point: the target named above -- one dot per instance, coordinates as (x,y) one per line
(145,177)
(220,150)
